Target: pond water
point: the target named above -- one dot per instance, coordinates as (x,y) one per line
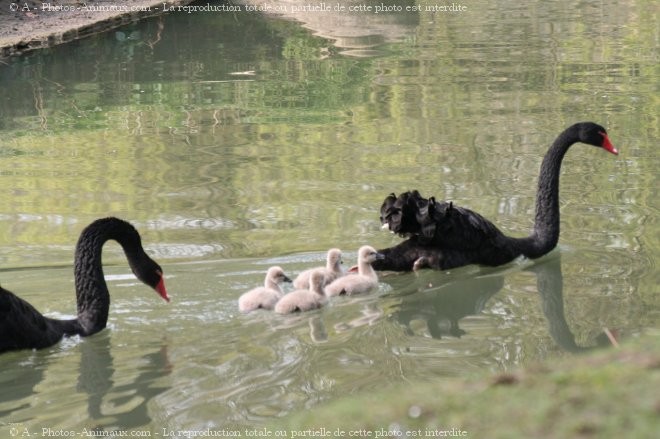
(238,141)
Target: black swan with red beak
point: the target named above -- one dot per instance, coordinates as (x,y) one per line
(442,235)
(23,327)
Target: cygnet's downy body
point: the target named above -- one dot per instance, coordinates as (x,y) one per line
(267,296)
(364,281)
(331,271)
(304,300)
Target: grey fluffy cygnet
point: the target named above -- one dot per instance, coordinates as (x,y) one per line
(364,281)
(267,296)
(331,271)
(304,300)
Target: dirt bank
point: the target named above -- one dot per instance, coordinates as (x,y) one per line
(31,24)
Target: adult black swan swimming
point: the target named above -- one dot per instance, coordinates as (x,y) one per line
(23,327)
(443,236)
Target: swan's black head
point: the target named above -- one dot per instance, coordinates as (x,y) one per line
(88,248)
(150,273)
(594,134)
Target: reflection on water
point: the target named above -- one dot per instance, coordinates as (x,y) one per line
(128,407)
(357,29)
(442,307)
(112,403)
(247,369)
(236,142)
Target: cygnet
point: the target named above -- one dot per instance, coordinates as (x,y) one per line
(304,300)
(267,296)
(331,271)
(364,281)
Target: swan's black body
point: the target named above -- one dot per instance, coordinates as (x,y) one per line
(23,327)
(443,236)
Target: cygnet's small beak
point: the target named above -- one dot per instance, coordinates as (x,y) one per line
(287,279)
(380,256)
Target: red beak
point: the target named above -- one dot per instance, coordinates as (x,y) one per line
(607,145)
(160,288)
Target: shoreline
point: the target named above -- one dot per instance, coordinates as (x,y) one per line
(27,25)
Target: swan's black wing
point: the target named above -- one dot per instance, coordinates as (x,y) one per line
(463,229)
(23,327)
(441,235)
(438,223)
(386,207)
(399,213)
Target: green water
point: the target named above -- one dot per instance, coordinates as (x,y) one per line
(238,141)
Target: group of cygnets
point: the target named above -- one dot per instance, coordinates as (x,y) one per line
(314,286)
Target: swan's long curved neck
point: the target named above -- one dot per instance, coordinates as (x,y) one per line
(545,235)
(93,298)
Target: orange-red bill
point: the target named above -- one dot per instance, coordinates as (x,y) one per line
(160,288)
(607,145)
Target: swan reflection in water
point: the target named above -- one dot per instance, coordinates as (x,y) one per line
(109,405)
(112,400)
(96,379)
(443,307)
(550,285)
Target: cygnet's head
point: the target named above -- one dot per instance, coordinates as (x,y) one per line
(317,280)
(334,258)
(276,274)
(368,254)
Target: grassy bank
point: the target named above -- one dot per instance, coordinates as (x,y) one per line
(604,394)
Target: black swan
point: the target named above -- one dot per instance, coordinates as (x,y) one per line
(443,236)
(23,327)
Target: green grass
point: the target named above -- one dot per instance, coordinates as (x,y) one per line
(611,393)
